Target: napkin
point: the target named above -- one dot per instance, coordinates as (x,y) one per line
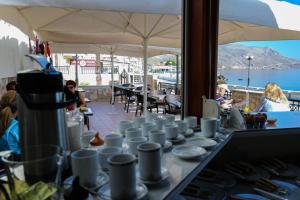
(38,191)
(236,119)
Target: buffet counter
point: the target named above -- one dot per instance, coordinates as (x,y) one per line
(255,145)
(182,172)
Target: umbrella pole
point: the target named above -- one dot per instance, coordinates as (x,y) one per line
(76,70)
(177,73)
(145,74)
(112,77)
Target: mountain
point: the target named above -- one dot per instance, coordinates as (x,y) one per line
(233,56)
(160,60)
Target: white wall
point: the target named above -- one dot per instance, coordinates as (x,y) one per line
(13,47)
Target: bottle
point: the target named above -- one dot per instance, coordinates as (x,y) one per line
(246,108)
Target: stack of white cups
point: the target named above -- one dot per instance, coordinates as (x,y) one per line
(125,124)
(74,135)
(209,126)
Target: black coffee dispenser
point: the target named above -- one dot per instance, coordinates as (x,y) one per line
(41,106)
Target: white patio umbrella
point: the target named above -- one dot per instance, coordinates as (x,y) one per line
(239,19)
(242,20)
(69,24)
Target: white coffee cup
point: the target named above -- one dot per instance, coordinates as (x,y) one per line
(209,127)
(157,136)
(105,152)
(182,126)
(170,118)
(123,125)
(114,140)
(133,132)
(192,121)
(134,142)
(151,116)
(160,122)
(86,138)
(171,130)
(85,164)
(149,161)
(122,165)
(138,121)
(146,127)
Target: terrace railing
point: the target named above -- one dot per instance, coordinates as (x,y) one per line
(63,69)
(292,95)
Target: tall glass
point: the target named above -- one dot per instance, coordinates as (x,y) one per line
(36,174)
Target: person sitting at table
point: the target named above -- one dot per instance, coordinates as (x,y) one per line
(273,100)
(221,90)
(72,93)
(9,126)
(12,85)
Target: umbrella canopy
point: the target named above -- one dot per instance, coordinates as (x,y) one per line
(129,21)
(70,22)
(118,49)
(242,20)
(68,25)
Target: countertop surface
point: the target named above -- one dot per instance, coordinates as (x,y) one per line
(284,119)
(182,172)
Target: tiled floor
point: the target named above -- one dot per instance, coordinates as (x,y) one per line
(106,116)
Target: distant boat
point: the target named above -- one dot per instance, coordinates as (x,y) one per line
(240,79)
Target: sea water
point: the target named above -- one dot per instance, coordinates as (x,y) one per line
(288,79)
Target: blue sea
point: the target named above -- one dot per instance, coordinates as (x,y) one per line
(288,79)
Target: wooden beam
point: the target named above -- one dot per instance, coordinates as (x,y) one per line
(200,43)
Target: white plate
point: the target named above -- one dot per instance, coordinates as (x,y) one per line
(102,179)
(104,192)
(164,176)
(203,142)
(178,139)
(189,133)
(188,151)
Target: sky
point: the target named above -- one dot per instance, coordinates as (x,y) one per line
(289,48)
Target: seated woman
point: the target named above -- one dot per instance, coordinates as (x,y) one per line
(72,93)
(9,127)
(273,100)
(224,103)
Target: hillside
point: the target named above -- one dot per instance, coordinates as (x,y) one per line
(233,56)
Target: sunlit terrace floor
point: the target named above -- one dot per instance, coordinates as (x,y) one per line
(107,116)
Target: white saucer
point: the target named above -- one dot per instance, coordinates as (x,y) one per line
(141,190)
(164,176)
(188,151)
(178,139)
(167,146)
(189,133)
(102,178)
(203,142)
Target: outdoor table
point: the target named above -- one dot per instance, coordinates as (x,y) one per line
(80,90)
(124,87)
(87,100)
(88,112)
(160,97)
